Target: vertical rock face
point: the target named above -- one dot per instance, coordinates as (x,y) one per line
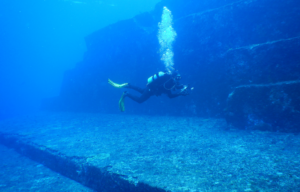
(271,107)
(220,45)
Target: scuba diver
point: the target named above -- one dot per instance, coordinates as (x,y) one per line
(160,83)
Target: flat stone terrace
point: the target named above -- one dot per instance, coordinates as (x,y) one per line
(147,153)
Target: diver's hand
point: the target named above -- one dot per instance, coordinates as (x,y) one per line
(184,90)
(185,93)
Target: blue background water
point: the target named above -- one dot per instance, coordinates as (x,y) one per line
(241,56)
(42,39)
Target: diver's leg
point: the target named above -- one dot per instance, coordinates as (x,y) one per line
(126,85)
(138,89)
(145,96)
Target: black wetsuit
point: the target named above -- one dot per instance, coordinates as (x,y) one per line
(163,85)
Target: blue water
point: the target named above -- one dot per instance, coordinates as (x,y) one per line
(40,40)
(63,127)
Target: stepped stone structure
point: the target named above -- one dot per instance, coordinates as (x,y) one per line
(228,50)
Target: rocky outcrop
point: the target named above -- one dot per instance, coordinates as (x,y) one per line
(271,107)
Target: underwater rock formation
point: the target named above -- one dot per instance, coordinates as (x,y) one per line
(270,107)
(220,45)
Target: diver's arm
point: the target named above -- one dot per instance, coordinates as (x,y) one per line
(179,86)
(173,95)
(183,92)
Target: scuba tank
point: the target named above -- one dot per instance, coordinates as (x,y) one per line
(155,77)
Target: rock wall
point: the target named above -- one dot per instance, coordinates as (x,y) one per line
(220,45)
(267,107)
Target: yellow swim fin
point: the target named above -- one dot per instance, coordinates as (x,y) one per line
(117,85)
(121,102)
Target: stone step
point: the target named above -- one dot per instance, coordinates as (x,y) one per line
(18,173)
(265,107)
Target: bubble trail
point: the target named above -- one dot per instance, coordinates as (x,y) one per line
(166,37)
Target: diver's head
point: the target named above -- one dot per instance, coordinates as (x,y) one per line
(176,75)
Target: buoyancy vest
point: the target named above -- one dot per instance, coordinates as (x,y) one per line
(160,80)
